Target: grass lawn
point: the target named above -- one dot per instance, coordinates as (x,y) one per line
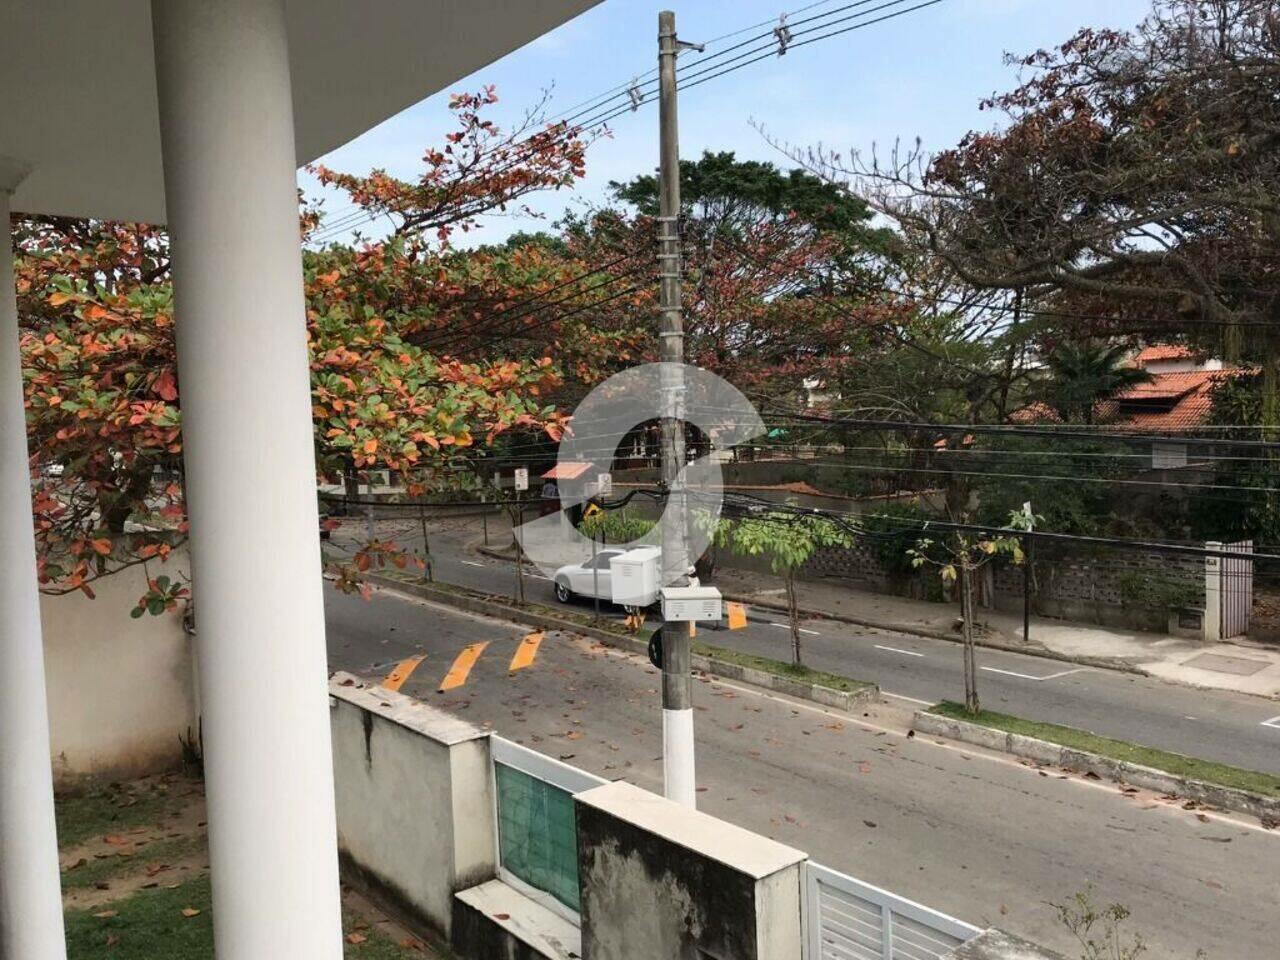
(113,809)
(169,918)
(1175,763)
(90,872)
(151,924)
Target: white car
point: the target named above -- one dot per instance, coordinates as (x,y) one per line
(591,578)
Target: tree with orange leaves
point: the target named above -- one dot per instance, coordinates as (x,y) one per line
(103,397)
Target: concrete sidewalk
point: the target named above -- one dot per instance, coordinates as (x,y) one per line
(1239,666)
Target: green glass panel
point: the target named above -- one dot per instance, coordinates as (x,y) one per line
(537,835)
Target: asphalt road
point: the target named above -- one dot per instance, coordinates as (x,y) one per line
(1212,724)
(979,836)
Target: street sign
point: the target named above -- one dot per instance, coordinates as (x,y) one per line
(522,478)
(604,484)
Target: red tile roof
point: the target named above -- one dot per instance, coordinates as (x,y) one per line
(1170,402)
(1162,352)
(569,470)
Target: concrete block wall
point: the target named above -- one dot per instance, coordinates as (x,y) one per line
(414,796)
(661,880)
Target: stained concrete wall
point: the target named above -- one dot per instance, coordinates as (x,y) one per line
(121,691)
(662,880)
(414,800)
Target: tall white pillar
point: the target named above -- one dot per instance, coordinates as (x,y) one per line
(226,126)
(30,892)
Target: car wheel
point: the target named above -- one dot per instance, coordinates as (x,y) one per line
(563,593)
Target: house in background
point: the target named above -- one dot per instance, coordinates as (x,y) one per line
(1177,400)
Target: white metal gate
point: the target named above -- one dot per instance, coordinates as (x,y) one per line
(1237,589)
(846,919)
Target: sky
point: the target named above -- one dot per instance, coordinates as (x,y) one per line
(919,75)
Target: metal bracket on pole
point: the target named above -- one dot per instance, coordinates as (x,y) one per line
(783,34)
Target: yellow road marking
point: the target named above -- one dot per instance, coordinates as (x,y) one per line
(737,616)
(526,652)
(461,668)
(396,678)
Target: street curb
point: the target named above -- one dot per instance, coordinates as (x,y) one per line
(1119,771)
(845,700)
(1104,663)
(827,696)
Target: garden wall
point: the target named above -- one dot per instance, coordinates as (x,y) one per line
(1129,589)
(121,691)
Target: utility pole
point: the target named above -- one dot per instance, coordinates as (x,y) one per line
(677,686)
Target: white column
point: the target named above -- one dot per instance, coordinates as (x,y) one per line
(1213,593)
(30,894)
(226,124)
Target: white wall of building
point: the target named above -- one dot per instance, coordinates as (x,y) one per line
(121,690)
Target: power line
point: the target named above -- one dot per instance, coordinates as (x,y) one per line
(706,73)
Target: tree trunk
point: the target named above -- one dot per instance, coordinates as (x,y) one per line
(136,489)
(515,525)
(971,703)
(793,610)
(428,572)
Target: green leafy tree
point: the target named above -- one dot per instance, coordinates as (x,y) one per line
(787,541)
(965,555)
(1081,373)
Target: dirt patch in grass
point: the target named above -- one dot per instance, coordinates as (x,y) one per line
(1174,763)
(98,809)
(127,858)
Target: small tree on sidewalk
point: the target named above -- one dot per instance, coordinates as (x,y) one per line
(788,541)
(961,559)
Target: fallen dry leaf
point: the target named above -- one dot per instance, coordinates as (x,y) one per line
(106,914)
(356,938)
(190,912)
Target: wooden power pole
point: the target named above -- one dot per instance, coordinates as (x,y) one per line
(677,687)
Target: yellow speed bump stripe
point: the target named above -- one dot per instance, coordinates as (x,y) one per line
(737,615)
(461,668)
(526,652)
(396,678)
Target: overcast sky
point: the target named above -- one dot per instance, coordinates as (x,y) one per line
(921,74)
